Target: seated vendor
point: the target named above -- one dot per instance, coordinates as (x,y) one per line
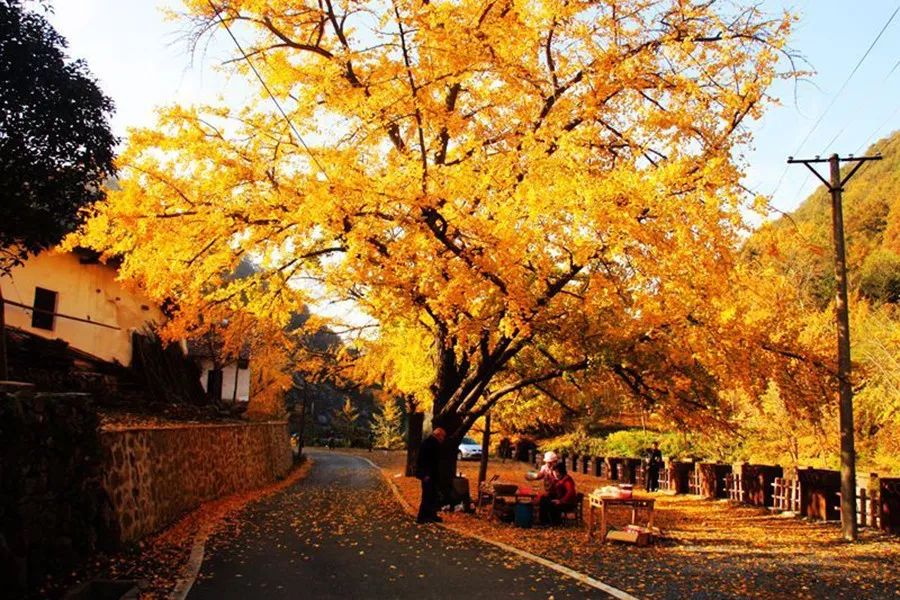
(561,499)
(546,473)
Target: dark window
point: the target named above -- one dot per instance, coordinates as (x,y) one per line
(214,384)
(42,316)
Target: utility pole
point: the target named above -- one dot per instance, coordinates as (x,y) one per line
(835,185)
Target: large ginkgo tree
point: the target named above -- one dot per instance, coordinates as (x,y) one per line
(514,195)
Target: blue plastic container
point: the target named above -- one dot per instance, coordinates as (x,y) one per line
(524,514)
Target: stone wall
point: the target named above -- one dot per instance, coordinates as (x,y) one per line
(68,489)
(53,509)
(155,475)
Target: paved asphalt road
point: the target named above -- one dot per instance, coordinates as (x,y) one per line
(340,533)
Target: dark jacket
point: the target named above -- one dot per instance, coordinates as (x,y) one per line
(429,458)
(655,460)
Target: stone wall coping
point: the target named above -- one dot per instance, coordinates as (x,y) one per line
(15,386)
(124,427)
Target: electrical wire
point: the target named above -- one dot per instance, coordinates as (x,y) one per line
(847,80)
(869,139)
(894,68)
(262,81)
(837,95)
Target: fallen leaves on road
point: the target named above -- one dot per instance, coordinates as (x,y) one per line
(159,561)
(711,548)
(341,531)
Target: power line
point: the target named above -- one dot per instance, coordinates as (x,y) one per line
(847,81)
(268,91)
(834,139)
(878,130)
(835,185)
(837,95)
(861,109)
(824,150)
(894,68)
(869,139)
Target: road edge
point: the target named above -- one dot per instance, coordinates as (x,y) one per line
(572,573)
(198,549)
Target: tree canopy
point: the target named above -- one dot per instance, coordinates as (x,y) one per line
(56,148)
(520,197)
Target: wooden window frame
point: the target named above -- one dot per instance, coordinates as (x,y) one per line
(41,317)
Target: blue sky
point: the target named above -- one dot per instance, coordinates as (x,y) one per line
(142,61)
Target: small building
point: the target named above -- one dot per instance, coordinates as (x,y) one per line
(74,297)
(231,377)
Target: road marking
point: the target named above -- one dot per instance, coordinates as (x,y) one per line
(580,577)
(192,570)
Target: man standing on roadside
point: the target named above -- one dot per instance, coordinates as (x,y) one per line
(654,464)
(427,464)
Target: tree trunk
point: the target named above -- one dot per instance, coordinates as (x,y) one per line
(447,469)
(452,424)
(303,413)
(214,386)
(413,441)
(4,372)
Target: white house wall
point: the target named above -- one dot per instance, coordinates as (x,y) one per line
(85,291)
(228,371)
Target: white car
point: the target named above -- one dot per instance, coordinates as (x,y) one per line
(468,449)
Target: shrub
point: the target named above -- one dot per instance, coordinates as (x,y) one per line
(880,276)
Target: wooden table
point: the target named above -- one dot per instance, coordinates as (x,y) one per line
(606,504)
(488,497)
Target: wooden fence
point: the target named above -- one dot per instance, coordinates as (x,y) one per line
(694,482)
(810,492)
(665,481)
(786,495)
(734,484)
(868,509)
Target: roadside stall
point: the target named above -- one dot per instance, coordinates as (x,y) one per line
(613,501)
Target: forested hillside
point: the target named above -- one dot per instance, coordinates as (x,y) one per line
(776,426)
(801,242)
(799,247)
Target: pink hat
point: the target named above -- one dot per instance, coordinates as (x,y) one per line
(550,457)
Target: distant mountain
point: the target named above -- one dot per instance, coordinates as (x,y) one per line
(800,243)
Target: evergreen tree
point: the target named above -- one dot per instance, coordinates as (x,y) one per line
(345,421)
(386,425)
(56,147)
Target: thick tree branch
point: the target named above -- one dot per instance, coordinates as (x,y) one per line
(546,392)
(529,381)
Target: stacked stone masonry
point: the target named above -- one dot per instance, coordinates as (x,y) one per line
(69,489)
(155,475)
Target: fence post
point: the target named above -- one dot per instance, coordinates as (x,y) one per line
(862,507)
(873,509)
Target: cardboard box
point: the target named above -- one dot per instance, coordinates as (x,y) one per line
(629,537)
